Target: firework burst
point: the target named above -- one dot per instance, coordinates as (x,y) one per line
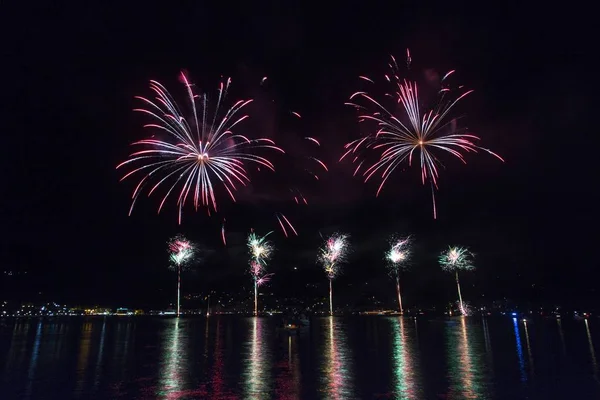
(260,251)
(415,131)
(193,151)
(397,258)
(453,260)
(332,255)
(181,253)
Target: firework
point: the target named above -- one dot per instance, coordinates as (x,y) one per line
(223,233)
(453,260)
(397,258)
(332,255)
(260,251)
(416,130)
(181,252)
(187,154)
(281,218)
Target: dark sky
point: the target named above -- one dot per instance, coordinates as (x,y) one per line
(70,74)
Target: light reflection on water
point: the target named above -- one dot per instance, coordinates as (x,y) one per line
(287,381)
(99,358)
(172,366)
(405,365)
(83,356)
(256,372)
(335,358)
(34,358)
(529,353)
(468,373)
(519,350)
(336,379)
(592,351)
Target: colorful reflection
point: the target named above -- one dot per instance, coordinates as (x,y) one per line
(336,381)
(257,366)
(173,361)
(287,383)
(592,351)
(467,371)
(217,380)
(405,364)
(519,350)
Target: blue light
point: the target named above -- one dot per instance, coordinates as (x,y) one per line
(514,314)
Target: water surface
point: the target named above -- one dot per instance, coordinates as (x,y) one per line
(334,358)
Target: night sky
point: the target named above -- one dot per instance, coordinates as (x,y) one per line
(70,75)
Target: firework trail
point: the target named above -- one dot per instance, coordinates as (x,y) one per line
(416,131)
(181,252)
(289,224)
(260,251)
(223,233)
(397,258)
(302,166)
(332,255)
(194,151)
(453,260)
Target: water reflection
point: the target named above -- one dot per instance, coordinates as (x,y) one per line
(83,353)
(217,378)
(486,337)
(173,361)
(336,378)
(529,354)
(287,384)
(466,369)
(256,374)
(592,351)
(562,336)
(519,350)
(122,337)
(34,358)
(98,372)
(404,362)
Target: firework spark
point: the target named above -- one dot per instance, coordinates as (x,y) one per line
(181,252)
(397,258)
(453,260)
(456,258)
(194,151)
(263,279)
(260,251)
(417,131)
(280,216)
(332,255)
(223,233)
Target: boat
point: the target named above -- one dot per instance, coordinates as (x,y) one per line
(291,328)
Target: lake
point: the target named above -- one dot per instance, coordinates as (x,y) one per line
(227,357)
